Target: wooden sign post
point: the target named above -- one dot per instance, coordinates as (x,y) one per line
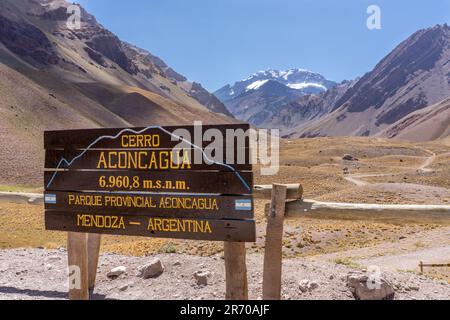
(274,242)
(275,214)
(236,271)
(140,182)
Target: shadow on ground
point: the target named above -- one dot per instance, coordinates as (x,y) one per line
(44,293)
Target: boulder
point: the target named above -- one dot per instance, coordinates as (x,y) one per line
(116,272)
(369,287)
(151,270)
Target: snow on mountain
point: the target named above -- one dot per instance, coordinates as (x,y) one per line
(260,95)
(307,82)
(304,85)
(256,85)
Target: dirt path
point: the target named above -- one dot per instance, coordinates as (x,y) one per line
(409,261)
(22,197)
(356,179)
(428,162)
(431,246)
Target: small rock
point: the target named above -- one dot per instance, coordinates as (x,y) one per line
(313,286)
(202,277)
(308,286)
(116,272)
(402,238)
(304,286)
(177,264)
(364,289)
(53,259)
(349,157)
(124,288)
(152,270)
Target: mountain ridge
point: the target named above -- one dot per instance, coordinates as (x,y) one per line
(253,99)
(54,78)
(299,79)
(415,75)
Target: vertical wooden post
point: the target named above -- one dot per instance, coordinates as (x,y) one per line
(236,271)
(93,255)
(274,244)
(77,250)
(421,267)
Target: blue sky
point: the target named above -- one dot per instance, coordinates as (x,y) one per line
(216,42)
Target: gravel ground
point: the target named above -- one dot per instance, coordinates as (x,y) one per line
(35,274)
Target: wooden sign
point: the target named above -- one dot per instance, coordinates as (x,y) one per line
(217,182)
(155,182)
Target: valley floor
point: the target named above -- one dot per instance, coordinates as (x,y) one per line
(34,274)
(385,171)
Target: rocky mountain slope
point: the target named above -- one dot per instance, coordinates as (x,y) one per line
(52,77)
(385,101)
(256,98)
(431,123)
(306,108)
(413,76)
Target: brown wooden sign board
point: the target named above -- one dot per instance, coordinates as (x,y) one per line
(140,159)
(159,227)
(214,182)
(124,182)
(174,206)
(151,137)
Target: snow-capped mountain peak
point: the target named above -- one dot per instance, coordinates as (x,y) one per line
(304,81)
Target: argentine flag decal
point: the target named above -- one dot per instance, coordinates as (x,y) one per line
(50,198)
(244,205)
